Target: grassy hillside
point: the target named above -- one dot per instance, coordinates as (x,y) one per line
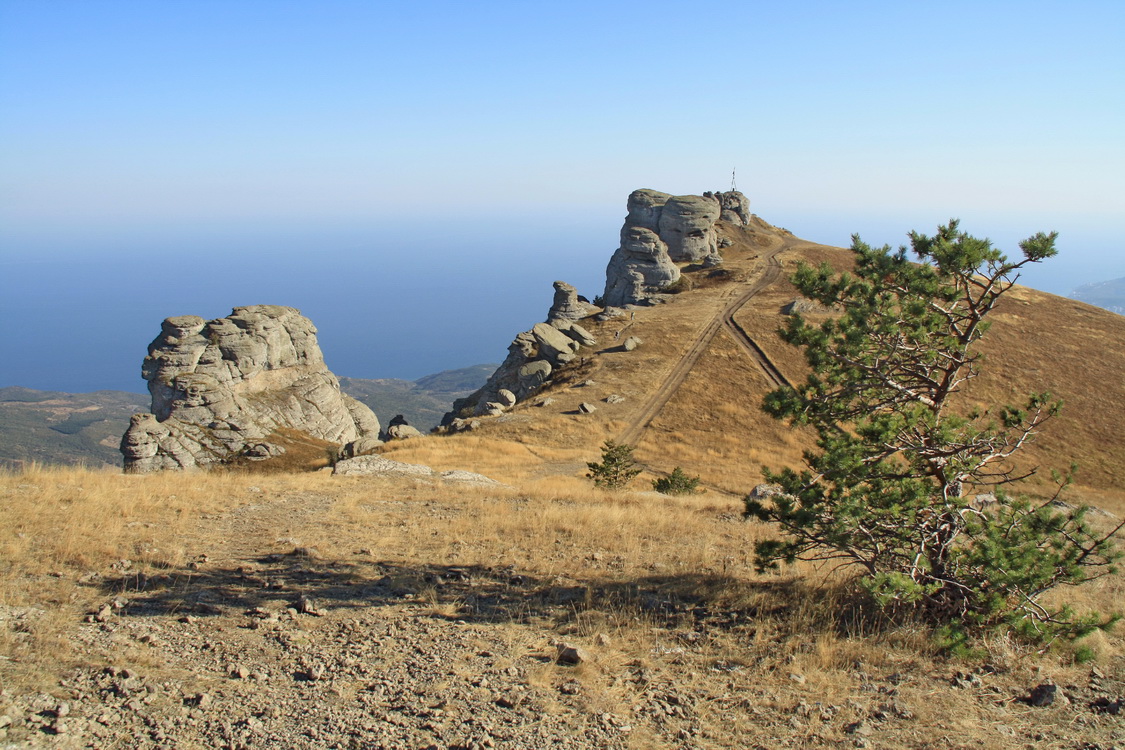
(412,612)
(712,424)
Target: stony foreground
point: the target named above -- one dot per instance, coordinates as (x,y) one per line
(259,641)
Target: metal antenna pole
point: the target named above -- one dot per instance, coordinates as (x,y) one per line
(733,187)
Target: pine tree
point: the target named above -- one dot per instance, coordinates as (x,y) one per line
(888,488)
(617,467)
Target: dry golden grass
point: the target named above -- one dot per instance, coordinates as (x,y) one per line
(61,529)
(640,569)
(657,581)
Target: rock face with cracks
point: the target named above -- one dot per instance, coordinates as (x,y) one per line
(661,230)
(222,388)
(533,357)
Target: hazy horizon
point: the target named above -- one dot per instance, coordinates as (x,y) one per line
(414,177)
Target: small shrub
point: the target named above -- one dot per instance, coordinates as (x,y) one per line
(617,467)
(676,483)
(679,285)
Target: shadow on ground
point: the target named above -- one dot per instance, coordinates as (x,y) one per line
(468,593)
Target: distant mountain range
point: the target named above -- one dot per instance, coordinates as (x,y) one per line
(52,427)
(1107,294)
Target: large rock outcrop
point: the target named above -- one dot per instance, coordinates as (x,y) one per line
(567,305)
(661,230)
(639,268)
(533,357)
(687,226)
(223,388)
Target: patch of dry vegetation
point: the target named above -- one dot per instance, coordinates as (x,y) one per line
(661,589)
(61,529)
(650,585)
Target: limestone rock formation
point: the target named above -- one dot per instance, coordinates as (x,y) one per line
(687,226)
(661,230)
(639,268)
(533,357)
(399,429)
(567,305)
(224,388)
(734,207)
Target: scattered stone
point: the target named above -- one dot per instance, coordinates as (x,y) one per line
(631,343)
(462,425)
(966,680)
(1042,695)
(797,678)
(367,465)
(570,655)
(586,408)
(1113,707)
(399,429)
(307,606)
(613,398)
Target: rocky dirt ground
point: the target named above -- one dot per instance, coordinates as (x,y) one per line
(260,642)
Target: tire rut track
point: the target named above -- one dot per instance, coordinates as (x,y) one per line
(724,319)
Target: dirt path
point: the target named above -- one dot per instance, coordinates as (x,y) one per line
(724,319)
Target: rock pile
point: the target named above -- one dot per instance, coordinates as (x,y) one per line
(532,358)
(221,388)
(661,230)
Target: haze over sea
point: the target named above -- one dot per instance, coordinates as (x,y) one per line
(413,176)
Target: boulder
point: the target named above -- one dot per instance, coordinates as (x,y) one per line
(554,345)
(638,268)
(631,343)
(734,207)
(577,332)
(379,465)
(644,207)
(567,307)
(687,226)
(361,447)
(399,429)
(224,388)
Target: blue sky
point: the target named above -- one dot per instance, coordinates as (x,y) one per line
(414,175)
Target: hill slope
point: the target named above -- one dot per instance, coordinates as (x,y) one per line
(692,391)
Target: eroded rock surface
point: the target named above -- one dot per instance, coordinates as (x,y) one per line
(639,268)
(223,388)
(567,305)
(533,357)
(661,230)
(687,226)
